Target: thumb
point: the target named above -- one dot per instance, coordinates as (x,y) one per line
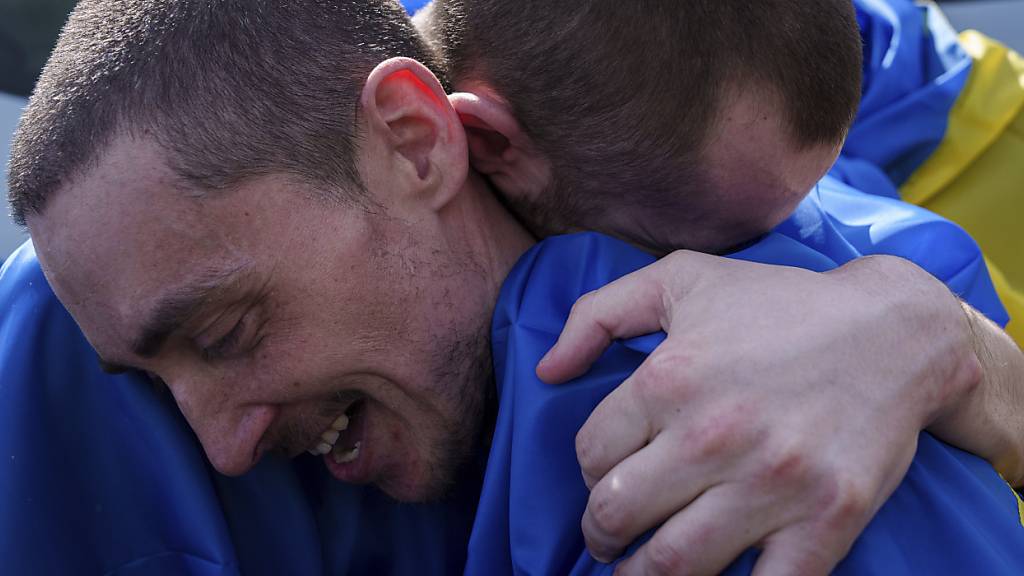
(631,306)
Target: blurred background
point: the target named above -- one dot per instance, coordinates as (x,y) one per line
(29,28)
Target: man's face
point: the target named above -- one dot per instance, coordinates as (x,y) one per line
(270,314)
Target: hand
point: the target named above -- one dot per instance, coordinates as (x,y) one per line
(781,411)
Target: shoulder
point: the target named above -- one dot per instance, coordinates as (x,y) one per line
(543,286)
(22,282)
(845,223)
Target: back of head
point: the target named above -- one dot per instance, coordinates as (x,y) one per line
(231,89)
(623,97)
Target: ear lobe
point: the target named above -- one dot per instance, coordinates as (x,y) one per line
(408,111)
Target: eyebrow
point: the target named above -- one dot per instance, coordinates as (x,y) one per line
(181,303)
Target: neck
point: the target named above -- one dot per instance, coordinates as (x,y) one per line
(487,230)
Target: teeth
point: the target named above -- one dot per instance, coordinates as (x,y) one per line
(340,424)
(348,456)
(331,436)
(321,449)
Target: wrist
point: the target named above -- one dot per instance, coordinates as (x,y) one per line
(960,386)
(932,333)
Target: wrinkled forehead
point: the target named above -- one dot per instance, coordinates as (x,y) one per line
(111,240)
(117,240)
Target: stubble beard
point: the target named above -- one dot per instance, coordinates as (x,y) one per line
(460,443)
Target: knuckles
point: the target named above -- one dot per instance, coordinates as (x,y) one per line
(832,496)
(583,308)
(791,467)
(719,434)
(667,558)
(611,518)
(665,378)
(847,503)
(677,263)
(715,439)
(590,454)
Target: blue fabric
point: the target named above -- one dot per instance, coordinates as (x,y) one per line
(100,474)
(951,515)
(914,71)
(413,5)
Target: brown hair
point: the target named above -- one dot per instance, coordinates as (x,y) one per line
(622,96)
(230,88)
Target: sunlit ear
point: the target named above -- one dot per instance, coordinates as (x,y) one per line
(498,146)
(414,132)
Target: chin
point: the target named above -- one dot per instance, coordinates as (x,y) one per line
(434,477)
(418,488)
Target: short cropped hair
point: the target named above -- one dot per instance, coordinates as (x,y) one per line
(621,96)
(230,89)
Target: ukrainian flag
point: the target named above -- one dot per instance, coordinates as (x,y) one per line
(941,125)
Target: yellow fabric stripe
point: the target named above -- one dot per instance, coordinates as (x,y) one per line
(976,176)
(1013,300)
(1020,505)
(991,100)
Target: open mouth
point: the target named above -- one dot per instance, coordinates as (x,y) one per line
(342,440)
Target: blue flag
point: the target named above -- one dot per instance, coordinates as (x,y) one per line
(951,515)
(914,71)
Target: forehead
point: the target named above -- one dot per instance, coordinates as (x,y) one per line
(122,235)
(126,216)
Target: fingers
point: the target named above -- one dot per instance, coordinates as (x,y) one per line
(702,539)
(666,385)
(618,427)
(662,478)
(815,546)
(630,306)
(798,551)
(639,494)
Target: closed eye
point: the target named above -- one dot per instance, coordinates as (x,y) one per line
(226,345)
(244,335)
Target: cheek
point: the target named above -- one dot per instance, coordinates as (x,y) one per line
(785,207)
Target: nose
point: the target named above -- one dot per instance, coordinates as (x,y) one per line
(229,429)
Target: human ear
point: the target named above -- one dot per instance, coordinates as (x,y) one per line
(498,146)
(415,137)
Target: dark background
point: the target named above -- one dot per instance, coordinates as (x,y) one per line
(28,31)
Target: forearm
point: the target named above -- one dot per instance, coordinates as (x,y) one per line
(989,419)
(966,373)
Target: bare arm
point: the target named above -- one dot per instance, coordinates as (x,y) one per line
(989,419)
